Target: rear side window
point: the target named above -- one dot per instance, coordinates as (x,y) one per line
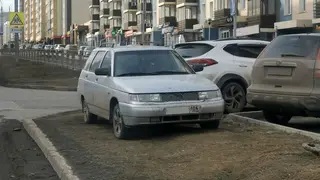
(89,60)
(292,46)
(192,50)
(245,50)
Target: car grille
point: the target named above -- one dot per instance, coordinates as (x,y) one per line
(185,96)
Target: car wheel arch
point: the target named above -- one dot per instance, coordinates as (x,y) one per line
(232,78)
(113,102)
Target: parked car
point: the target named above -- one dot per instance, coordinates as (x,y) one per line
(81,50)
(146,85)
(87,51)
(48,47)
(228,63)
(71,48)
(59,48)
(285,78)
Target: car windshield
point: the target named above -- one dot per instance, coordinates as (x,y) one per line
(149,62)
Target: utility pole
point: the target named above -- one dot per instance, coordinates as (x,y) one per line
(143,20)
(234,14)
(2,22)
(16,35)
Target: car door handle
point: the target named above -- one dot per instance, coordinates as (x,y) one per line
(86,76)
(242,65)
(97,79)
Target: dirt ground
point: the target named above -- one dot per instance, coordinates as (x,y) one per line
(27,74)
(235,151)
(20,157)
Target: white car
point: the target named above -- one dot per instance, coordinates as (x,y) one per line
(132,86)
(227,63)
(59,48)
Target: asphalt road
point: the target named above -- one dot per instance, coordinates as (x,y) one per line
(20,157)
(28,103)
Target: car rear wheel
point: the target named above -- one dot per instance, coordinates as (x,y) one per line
(88,117)
(120,130)
(210,125)
(234,96)
(272,117)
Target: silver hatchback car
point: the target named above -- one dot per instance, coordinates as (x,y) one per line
(133,86)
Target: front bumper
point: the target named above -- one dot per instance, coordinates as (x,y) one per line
(156,113)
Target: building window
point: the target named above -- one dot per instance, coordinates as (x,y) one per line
(191,12)
(211,10)
(221,4)
(302,6)
(116,22)
(287,7)
(117,5)
(167,11)
(180,14)
(254,7)
(241,4)
(225,34)
(132,16)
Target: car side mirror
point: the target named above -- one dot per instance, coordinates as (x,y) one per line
(197,67)
(103,72)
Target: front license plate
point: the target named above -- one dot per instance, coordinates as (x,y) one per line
(183,110)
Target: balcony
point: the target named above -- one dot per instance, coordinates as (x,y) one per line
(115,12)
(186,1)
(172,21)
(316,10)
(94,3)
(167,1)
(106,26)
(129,5)
(265,21)
(95,17)
(128,24)
(187,23)
(139,26)
(221,13)
(148,7)
(105,11)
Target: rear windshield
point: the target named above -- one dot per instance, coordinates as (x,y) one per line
(292,46)
(192,50)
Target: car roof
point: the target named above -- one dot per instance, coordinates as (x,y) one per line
(134,48)
(303,34)
(225,42)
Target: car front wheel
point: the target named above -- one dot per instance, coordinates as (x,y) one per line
(272,117)
(234,96)
(120,130)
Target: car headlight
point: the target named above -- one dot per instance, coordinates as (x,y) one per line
(145,97)
(210,95)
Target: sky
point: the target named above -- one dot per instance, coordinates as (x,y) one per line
(6,4)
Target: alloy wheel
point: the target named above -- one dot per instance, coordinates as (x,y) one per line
(234,97)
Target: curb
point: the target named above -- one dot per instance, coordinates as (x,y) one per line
(290,130)
(57,161)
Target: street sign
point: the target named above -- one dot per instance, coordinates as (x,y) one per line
(16,30)
(16,19)
(229,19)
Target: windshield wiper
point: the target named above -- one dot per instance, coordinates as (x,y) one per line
(291,55)
(169,72)
(135,74)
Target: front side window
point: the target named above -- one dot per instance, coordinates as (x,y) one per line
(96,61)
(89,60)
(106,63)
(149,62)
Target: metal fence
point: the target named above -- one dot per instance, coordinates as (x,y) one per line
(66,59)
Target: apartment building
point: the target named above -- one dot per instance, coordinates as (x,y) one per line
(129,17)
(40,20)
(295,16)
(7,35)
(94,16)
(104,15)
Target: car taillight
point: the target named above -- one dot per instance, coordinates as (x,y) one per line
(317,66)
(202,61)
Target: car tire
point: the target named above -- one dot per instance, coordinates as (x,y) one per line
(234,96)
(88,118)
(277,118)
(120,130)
(210,124)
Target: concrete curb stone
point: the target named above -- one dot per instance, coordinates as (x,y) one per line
(241,117)
(57,161)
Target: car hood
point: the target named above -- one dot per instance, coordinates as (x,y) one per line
(164,83)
